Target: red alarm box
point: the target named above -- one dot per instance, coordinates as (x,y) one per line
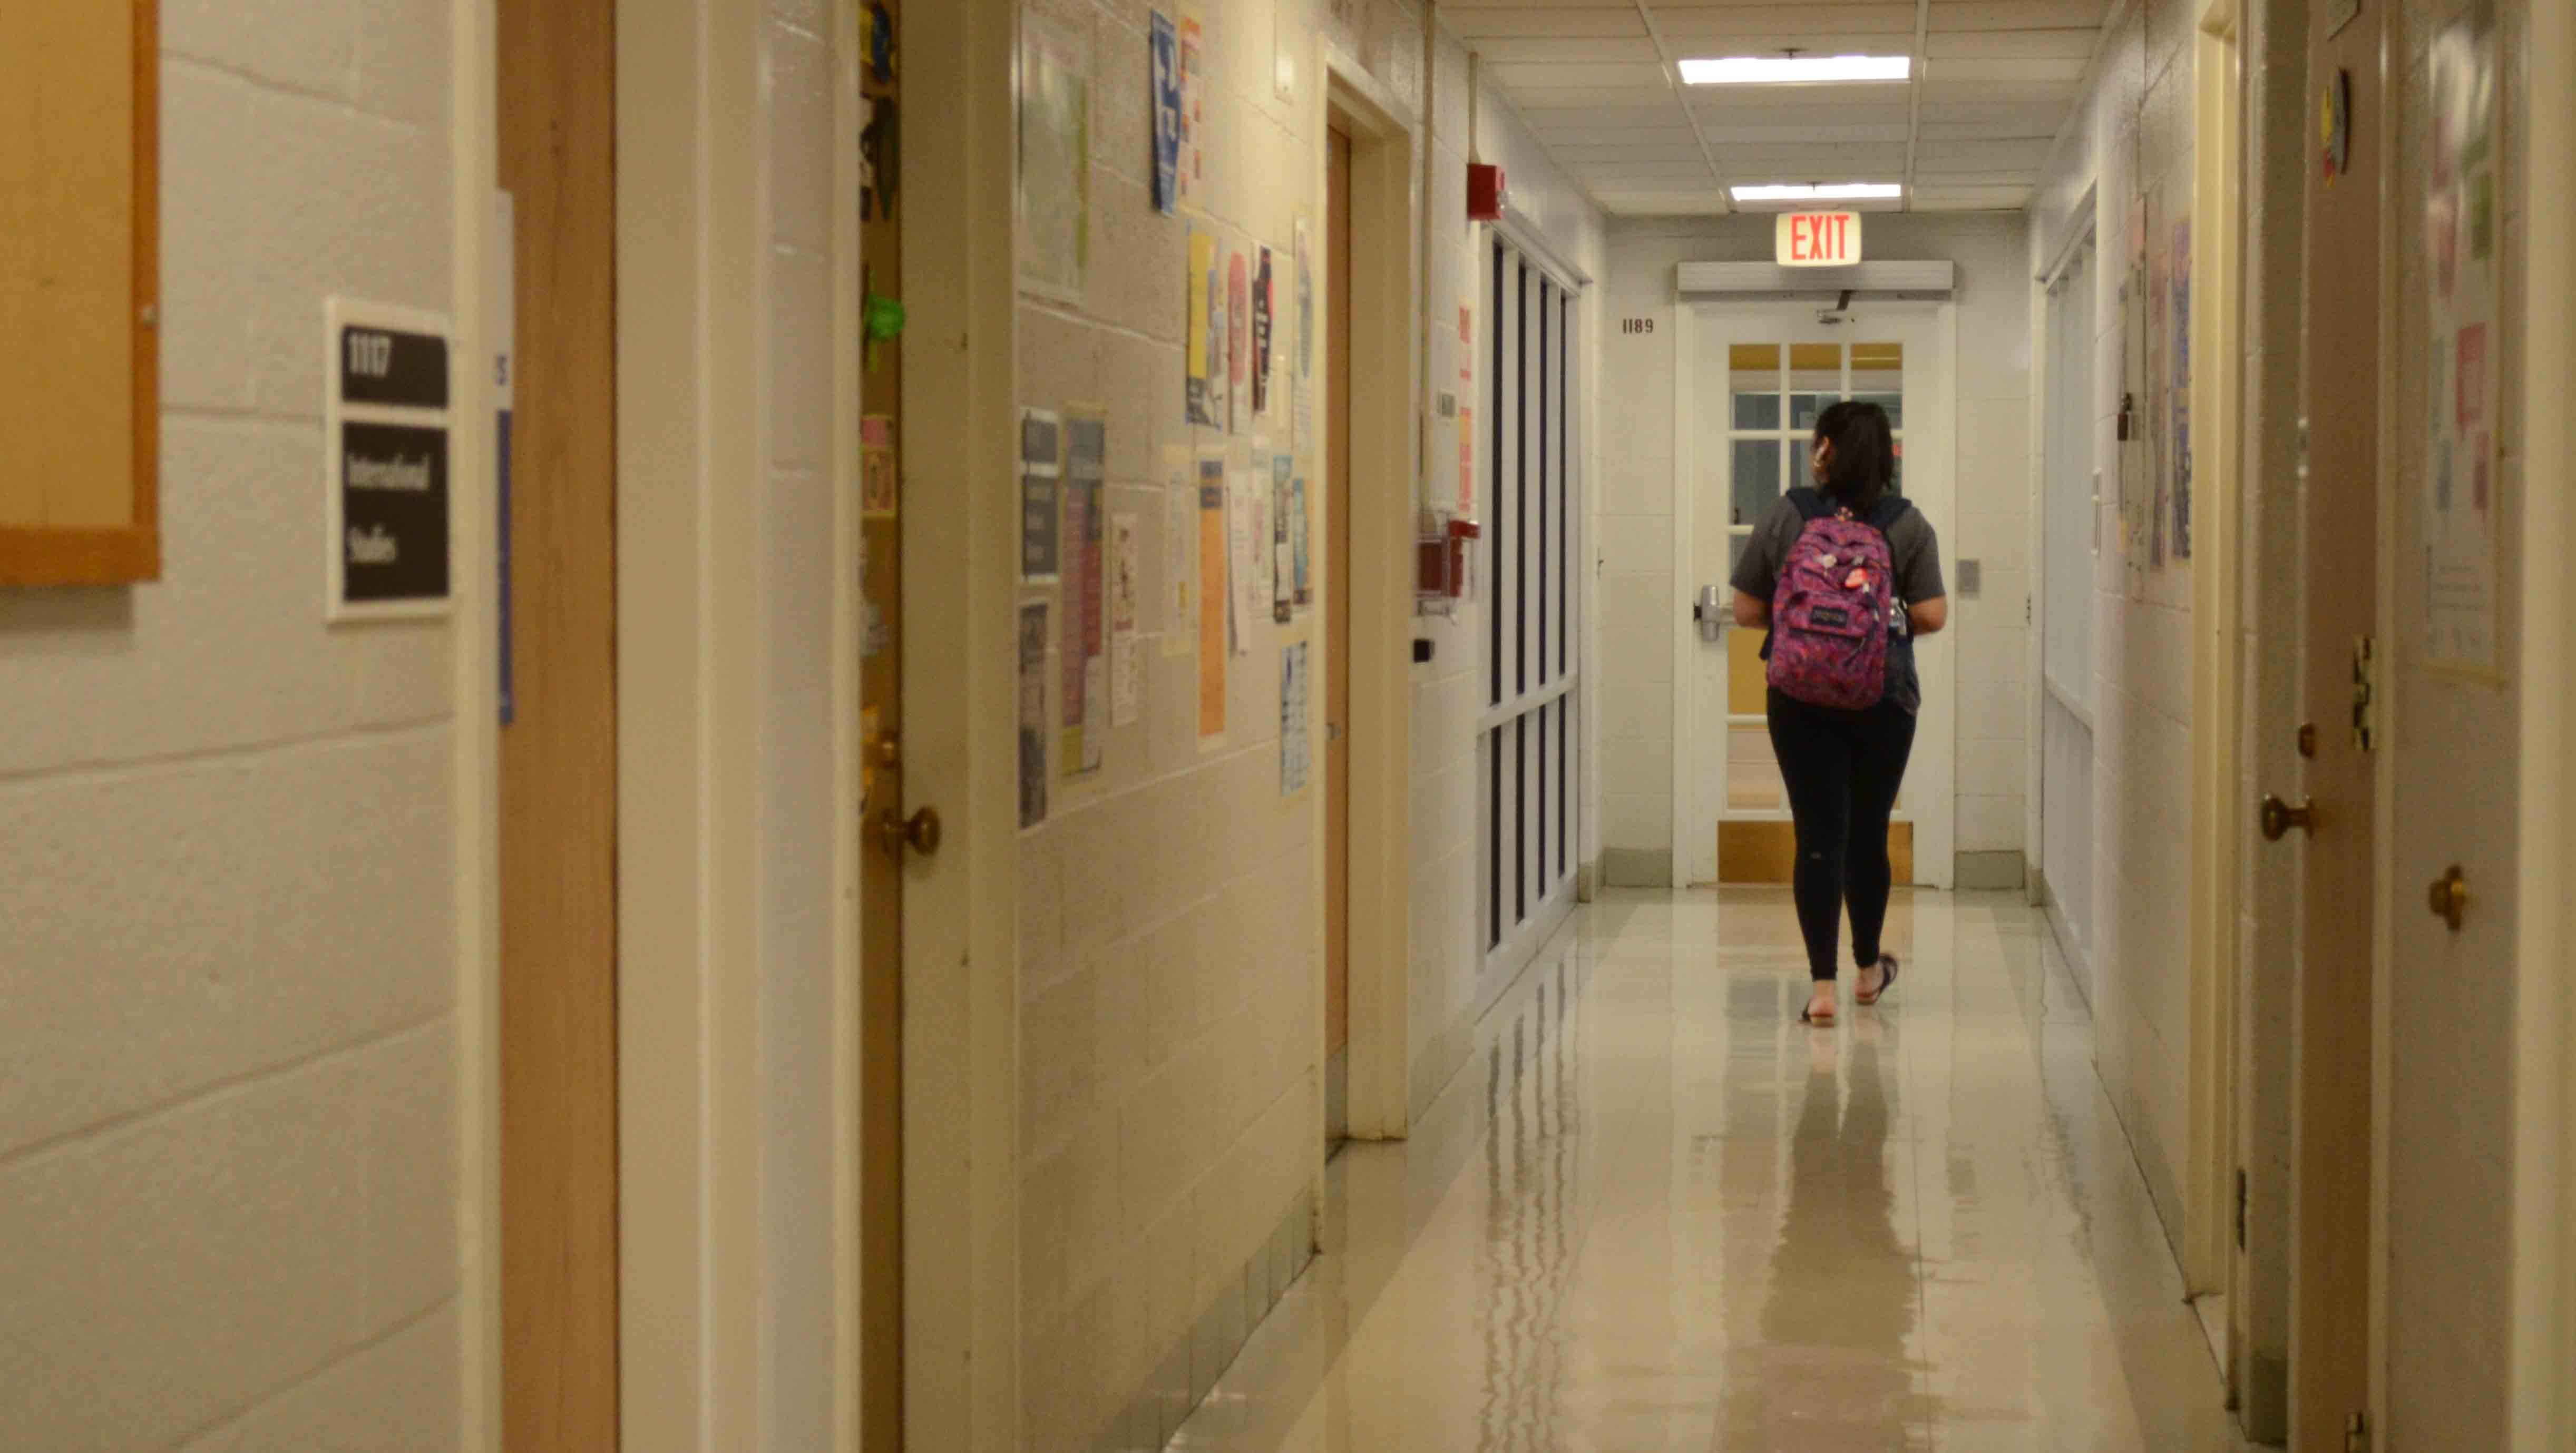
(1485,194)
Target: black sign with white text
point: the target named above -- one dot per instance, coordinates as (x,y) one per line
(389,366)
(393,513)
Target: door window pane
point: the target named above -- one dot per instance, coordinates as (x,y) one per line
(1878,376)
(1754,382)
(1756,479)
(1815,380)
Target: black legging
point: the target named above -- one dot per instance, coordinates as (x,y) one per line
(1842,769)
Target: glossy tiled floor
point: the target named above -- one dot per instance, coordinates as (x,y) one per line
(1655,1213)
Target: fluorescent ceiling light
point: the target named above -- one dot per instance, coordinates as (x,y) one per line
(1747,70)
(1834,192)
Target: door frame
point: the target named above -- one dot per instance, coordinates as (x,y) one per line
(2080,236)
(2543,1329)
(1936,832)
(2217,610)
(1386,317)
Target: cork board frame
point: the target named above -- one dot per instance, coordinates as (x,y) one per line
(80,272)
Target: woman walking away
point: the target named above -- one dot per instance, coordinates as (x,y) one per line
(1844,576)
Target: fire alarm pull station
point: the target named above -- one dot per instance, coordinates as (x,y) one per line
(1487,193)
(1444,564)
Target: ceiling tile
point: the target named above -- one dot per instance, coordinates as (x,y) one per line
(1971,199)
(1561,49)
(2065,72)
(2013,14)
(1645,77)
(2062,45)
(1479,22)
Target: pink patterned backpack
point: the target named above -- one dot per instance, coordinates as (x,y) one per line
(1830,612)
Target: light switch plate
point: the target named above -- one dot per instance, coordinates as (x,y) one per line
(1971,577)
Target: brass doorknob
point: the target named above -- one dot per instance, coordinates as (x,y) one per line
(2279,817)
(2449,899)
(920,832)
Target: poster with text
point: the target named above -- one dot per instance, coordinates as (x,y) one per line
(1213,594)
(1086,694)
(1040,463)
(1165,42)
(1194,83)
(1247,545)
(2461,229)
(1238,332)
(1033,763)
(1205,384)
(1300,524)
(1180,611)
(1055,159)
(2181,431)
(1261,300)
(1283,566)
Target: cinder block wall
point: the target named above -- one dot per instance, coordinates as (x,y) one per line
(229,1114)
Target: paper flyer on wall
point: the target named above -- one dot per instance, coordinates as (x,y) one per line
(1055,158)
(1164,46)
(1305,298)
(1193,160)
(1300,526)
(2182,389)
(1179,618)
(1294,748)
(1238,334)
(1205,385)
(1041,444)
(1085,708)
(1213,595)
(1126,586)
(1247,543)
(1033,765)
(877,491)
(1283,567)
(1261,309)
(2463,378)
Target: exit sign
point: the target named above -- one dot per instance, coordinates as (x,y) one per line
(1818,239)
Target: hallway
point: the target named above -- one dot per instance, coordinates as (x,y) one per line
(1653,1212)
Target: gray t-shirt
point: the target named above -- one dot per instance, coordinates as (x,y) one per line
(1912,549)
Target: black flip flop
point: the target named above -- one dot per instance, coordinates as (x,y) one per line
(1889,968)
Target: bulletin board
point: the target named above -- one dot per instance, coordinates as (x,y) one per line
(79,292)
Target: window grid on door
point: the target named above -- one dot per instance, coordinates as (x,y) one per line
(1529,511)
(1775,391)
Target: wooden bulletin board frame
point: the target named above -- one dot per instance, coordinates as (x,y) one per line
(38,554)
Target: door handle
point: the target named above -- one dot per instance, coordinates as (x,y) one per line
(2279,817)
(920,832)
(2450,897)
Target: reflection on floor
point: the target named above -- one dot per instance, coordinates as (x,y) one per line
(1656,1213)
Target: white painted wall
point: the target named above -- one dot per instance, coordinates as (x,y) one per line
(233,1198)
(1170,910)
(2133,145)
(1642,605)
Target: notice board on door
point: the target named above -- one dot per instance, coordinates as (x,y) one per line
(79,292)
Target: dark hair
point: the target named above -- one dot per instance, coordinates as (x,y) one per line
(1864,460)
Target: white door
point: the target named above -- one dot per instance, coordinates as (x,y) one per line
(1750,381)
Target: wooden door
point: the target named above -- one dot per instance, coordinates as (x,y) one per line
(2331,1139)
(1337,635)
(558,865)
(881,221)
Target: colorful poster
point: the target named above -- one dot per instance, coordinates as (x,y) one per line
(1085,704)
(1206,344)
(1261,300)
(1166,47)
(1055,158)
(1180,621)
(1040,461)
(1192,180)
(1238,332)
(2461,383)
(877,491)
(2181,430)
(1213,595)
(1294,749)
(1033,766)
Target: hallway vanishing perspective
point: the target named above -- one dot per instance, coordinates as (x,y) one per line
(1657,1214)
